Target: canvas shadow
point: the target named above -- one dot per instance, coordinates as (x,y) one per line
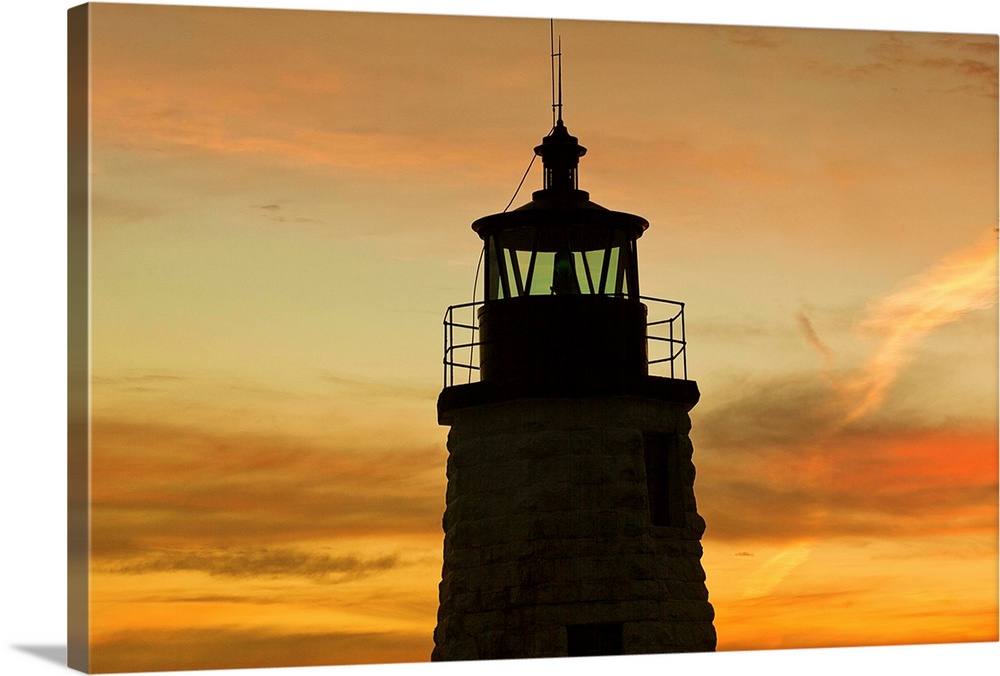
(49,653)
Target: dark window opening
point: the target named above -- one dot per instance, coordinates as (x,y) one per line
(591,640)
(663,485)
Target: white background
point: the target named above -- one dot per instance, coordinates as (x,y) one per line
(33,327)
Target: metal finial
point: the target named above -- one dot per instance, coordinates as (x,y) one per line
(560,78)
(556,83)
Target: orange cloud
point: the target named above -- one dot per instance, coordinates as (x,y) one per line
(958,284)
(164,116)
(859,616)
(231,648)
(157,488)
(333,102)
(852,482)
(260,562)
(216,549)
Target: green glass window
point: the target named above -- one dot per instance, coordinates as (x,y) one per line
(560,260)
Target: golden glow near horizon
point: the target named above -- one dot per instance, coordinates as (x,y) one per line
(281,208)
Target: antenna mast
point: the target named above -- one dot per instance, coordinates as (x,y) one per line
(556,88)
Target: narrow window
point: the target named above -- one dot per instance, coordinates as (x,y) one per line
(663,485)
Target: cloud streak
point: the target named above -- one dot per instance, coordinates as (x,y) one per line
(777,464)
(959,284)
(257,563)
(814,341)
(238,648)
(811,462)
(158,488)
(898,55)
(776,569)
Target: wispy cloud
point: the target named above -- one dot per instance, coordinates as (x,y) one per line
(897,52)
(770,415)
(814,341)
(356,387)
(160,488)
(848,483)
(776,569)
(136,378)
(950,64)
(229,117)
(802,456)
(261,562)
(236,648)
(273,212)
(754,37)
(110,208)
(958,284)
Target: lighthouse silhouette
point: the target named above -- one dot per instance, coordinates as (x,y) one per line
(570,526)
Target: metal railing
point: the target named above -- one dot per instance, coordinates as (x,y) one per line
(461,355)
(670,344)
(666,339)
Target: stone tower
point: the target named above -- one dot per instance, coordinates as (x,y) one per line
(571,526)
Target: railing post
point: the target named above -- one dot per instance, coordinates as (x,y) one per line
(672,356)
(684,343)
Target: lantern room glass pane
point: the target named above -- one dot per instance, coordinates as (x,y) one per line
(612,272)
(541,277)
(559,260)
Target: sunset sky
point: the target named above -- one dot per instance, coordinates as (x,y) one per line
(281,208)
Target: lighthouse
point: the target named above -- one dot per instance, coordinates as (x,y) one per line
(570,525)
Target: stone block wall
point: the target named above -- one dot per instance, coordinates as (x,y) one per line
(550,539)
